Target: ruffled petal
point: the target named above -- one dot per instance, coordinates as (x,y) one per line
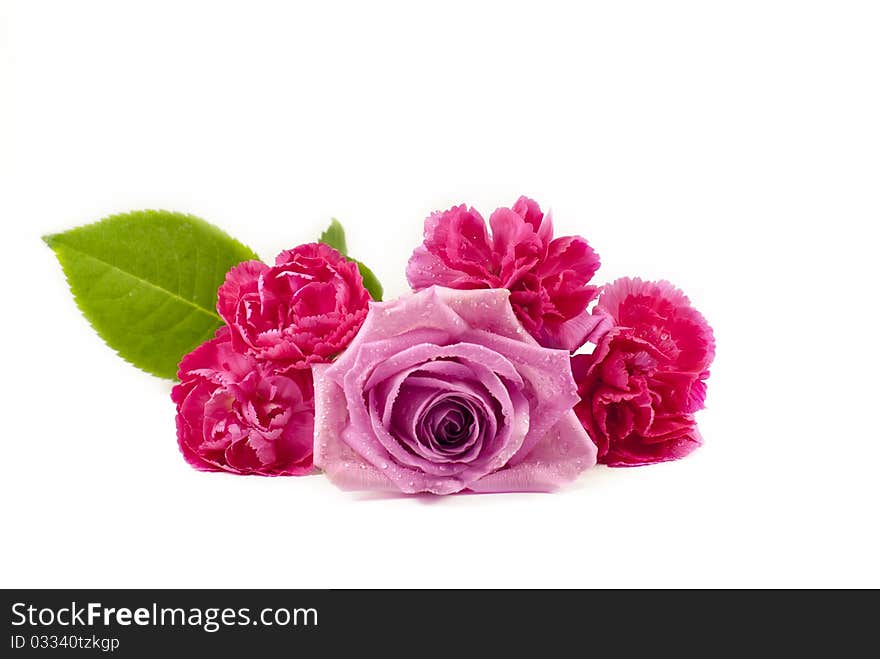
(548,279)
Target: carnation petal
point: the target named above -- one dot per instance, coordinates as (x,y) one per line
(459,237)
(570,253)
(425,269)
(661,311)
(305,308)
(240,280)
(642,384)
(530,211)
(548,279)
(630,455)
(234,416)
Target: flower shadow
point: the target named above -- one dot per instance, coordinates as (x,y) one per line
(428,499)
(425,498)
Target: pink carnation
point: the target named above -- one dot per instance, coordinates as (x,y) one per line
(304,310)
(641,386)
(235,416)
(547,277)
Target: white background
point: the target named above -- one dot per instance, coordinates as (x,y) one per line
(733,148)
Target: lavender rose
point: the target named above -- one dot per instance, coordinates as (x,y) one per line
(444,391)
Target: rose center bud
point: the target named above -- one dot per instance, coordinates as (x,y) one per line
(439,415)
(450,424)
(452,428)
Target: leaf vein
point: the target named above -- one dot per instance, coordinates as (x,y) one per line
(146,282)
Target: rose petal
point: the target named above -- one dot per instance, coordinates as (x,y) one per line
(344,467)
(550,389)
(563,453)
(385,452)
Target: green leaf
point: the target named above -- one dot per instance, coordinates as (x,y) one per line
(371,282)
(147,282)
(334,236)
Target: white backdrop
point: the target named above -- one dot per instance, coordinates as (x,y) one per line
(733,148)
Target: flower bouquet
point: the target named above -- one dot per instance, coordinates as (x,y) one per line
(504,370)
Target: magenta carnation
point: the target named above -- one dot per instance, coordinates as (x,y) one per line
(640,388)
(548,278)
(234,415)
(304,310)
